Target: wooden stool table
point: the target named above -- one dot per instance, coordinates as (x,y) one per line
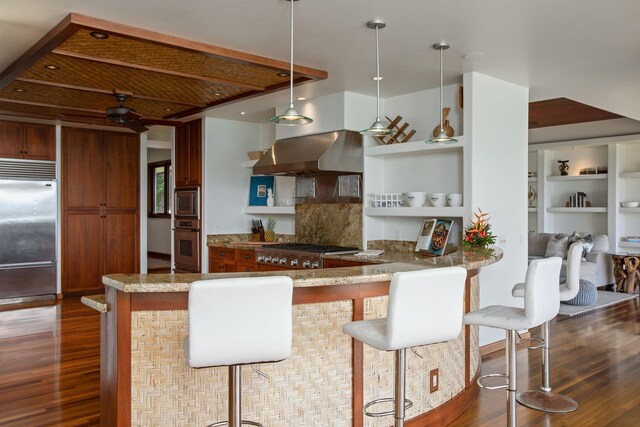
(626,270)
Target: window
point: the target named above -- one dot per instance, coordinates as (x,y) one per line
(159,194)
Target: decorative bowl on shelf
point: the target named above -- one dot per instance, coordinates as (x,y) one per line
(630,204)
(438,200)
(415,198)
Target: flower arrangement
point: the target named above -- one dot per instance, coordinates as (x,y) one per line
(478,234)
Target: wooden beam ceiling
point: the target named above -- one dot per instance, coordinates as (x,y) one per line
(166,77)
(563,111)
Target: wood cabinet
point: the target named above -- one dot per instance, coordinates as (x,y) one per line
(223,260)
(100,210)
(331,263)
(188,154)
(27,141)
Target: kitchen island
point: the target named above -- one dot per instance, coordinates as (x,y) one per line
(145,379)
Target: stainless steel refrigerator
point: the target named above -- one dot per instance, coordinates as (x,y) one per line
(27,237)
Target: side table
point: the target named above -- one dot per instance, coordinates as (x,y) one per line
(626,270)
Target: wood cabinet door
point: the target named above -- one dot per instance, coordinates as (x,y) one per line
(82,254)
(121,243)
(195,152)
(11,143)
(82,169)
(181,168)
(39,142)
(122,170)
(221,265)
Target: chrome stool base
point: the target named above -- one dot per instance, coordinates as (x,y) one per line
(547,401)
(244,423)
(407,404)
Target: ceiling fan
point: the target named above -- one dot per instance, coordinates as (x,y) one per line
(125,116)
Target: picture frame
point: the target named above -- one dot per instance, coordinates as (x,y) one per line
(424,238)
(258,187)
(440,236)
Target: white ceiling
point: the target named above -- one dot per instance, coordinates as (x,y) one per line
(585,50)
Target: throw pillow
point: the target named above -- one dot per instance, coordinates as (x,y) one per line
(586,240)
(557,246)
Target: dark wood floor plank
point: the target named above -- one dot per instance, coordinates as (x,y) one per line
(50,369)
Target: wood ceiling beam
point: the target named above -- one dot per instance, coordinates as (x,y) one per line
(153,69)
(62,107)
(110,92)
(43,47)
(194,46)
(564,111)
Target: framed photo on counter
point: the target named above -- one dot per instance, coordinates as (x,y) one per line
(439,237)
(258,189)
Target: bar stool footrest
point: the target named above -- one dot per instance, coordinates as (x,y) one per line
(539,341)
(243,422)
(407,404)
(493,387)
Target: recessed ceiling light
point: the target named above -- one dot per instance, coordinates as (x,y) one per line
(168,109)
(377,78)
(19,89)
(301,98)
(217,94)
(98,35)
(282,74)
(243,113)
(51,67)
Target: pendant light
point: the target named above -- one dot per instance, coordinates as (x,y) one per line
(442,137)
(377,128)
(291,117)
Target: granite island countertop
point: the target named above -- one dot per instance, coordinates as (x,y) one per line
(387,264)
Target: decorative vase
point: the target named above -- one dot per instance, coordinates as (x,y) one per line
(564,167)
(270,200)
(445,124)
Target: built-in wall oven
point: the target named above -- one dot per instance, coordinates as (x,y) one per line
(186,240)
(187,202)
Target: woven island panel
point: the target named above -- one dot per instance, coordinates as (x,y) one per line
(474,337)
(447,357)
(312,388)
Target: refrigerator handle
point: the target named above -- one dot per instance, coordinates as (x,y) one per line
(43,264)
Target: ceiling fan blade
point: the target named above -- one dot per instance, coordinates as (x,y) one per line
(136,126)
(131,115)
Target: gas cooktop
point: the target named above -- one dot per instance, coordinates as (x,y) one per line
(298,255)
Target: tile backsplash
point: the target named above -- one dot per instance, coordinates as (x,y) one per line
(329,223)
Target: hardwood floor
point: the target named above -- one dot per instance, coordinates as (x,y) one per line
(49,369)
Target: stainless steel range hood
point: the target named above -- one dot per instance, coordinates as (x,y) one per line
(323,153)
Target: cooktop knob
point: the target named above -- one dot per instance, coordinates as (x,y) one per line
(267,259)
(283,261)
(306,264)
(316,264)
(275,260)
(261,258)
(294,263)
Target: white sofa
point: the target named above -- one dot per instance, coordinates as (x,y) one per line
(597,267)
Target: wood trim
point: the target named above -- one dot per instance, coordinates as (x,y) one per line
(499,345)
(158,255)
(108,92)
(564,111)
(446,413)
(63,107)
(155,37)
(314,294)
(53,38)
(115,360)
(153,69)
(357,368)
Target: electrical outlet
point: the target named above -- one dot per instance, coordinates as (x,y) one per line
(434,380)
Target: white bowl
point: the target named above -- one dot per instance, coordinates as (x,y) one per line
(437,200)
(415,198)
(454,199)
(630,204)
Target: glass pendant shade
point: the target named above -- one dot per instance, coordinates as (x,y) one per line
(377,128)
(291,117)
(442,137)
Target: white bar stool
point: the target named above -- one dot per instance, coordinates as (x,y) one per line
(544,399)
(424,307)
(239,321)
(541,304)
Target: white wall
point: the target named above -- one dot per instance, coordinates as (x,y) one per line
(226,181)
(159,229)
(496,122)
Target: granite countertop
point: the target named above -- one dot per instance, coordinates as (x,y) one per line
(389,263)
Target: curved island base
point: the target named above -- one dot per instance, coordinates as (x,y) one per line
(145,379)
